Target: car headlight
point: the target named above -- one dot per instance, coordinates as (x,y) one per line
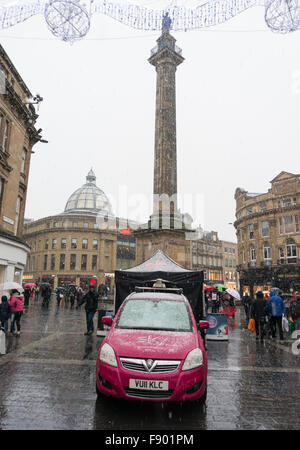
(107,355)
(193,359)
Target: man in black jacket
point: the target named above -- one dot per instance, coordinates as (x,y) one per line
(259,310)
(91,303)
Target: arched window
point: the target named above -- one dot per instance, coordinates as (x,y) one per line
(267,254)
(291,251)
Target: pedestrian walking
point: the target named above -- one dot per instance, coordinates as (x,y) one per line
(16,302)
(91,303)
(247,302)
(276,309)
(72,293)
(79,294)
(295,312)
(4,313)
(27,294)
(259,311)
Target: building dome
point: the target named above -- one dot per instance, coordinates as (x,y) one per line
(89,199)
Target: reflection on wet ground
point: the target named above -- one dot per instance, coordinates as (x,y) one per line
(48,382)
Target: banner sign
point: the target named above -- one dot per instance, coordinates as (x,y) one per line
(218,327)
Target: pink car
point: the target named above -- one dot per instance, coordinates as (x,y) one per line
(153,351)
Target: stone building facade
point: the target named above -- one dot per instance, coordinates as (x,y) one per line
(85,241)
(268,234)
(230,262)
(17,138)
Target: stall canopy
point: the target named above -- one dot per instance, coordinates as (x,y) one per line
(160,266)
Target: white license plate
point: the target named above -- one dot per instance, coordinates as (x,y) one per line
(149,385)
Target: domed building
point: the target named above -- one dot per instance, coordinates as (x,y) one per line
(85,241)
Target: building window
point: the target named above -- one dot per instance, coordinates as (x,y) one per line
(251,231)
(267,254)
(94,262)
(243,256)
(242,235)
(75,224)
(96,225)
(17,217)
(74,243)
(263,207)
(295,200)
(54,244)
(52,265)
(281,255)
(64,224)
(252,256)
(286,202)
(265,228)
(83,262)
(48,224)
(45,262)
(84,244)
(5,135)
(1,191)
(85,224)
(23,161)
(291,251)
(55,224)
(63,243)
(95,244)
(62,260)
(288,224)
(72,261)
(278,204)
(46,244)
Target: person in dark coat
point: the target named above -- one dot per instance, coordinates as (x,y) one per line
(259,311)
(4,313)
(91,303)
(295,312)
(27,294)
(247,305)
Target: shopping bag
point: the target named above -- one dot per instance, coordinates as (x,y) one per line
(291,324)
(251,325)
(285,324)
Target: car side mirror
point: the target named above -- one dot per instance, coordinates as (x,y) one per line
(203,324)
(106,320)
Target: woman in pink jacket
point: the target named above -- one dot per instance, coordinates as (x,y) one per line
(16,302)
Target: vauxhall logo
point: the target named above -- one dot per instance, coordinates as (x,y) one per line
(149,364)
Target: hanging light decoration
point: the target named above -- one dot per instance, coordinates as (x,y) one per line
(283,16)
(69,20)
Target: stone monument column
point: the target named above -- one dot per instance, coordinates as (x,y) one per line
(166,56)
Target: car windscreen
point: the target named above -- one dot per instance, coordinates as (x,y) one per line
(155,315)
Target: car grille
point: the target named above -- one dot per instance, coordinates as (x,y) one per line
(148,394)
(158,366)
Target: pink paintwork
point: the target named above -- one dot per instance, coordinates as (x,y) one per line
(146,357)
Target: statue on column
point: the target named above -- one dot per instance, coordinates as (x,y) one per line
(166,23)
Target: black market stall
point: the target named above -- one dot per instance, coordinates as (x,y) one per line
(160,266)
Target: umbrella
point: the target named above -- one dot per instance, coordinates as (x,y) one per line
(209,288)
(234,293)
(220,287)
(30,285)
(8,285)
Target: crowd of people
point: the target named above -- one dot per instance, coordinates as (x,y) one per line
(12,307)
(269,313)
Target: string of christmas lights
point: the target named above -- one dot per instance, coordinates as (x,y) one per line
(70,19)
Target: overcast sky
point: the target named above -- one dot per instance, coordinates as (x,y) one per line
(238,110)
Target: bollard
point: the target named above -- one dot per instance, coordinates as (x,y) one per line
(2,343)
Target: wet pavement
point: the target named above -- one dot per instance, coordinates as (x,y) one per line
(48,382)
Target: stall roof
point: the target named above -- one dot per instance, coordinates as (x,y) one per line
(159,262)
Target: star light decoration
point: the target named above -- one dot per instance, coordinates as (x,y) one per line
(70,20)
